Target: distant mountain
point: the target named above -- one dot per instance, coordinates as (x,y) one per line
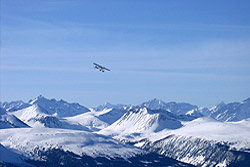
(154,104)
(10,121)
(111,106)
(37,116)
(97,120)
(42,112)
(173,107)
(14,105)
(235,111)
(59,108)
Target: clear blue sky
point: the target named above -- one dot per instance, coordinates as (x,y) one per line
(174,50)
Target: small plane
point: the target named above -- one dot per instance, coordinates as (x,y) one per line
(100,68)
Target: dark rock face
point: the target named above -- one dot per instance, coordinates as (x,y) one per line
(58,158)
(199,152)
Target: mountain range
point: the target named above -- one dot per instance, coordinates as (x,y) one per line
(153,133)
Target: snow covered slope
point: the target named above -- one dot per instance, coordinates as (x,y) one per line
(57,147)
(10,121)
(112,115)
(202,142)
(29,113)
(142,120)
(36,116)
(29,140)
(90,120)
(97,120)
(237,134)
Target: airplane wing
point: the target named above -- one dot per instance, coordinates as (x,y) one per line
(101,68)
(106,69)
(97,65)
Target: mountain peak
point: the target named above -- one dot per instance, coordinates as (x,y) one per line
(108,105)
(38,99)
(40,96)
(60,108)
(221,104)
(153,104)
(155,100)
(14,105)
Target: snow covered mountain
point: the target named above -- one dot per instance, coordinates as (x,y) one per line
(173,107)
(111,106)
(14,105)
(78,142)
(36,116)
(10,121)
(97,120)
(47,147)
(142,120)
(165,131)
(203,142)
(236,111)
(59,108)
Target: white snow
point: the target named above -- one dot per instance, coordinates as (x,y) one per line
(207,128)
(29,113)
(131,124)
(36,116)
(97,120)
(89,119)
(142,121)
(10,121)
(26,140)
(237,134)
(59,108)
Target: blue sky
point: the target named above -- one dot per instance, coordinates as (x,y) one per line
(174,50)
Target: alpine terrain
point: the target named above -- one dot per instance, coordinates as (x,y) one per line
(50,132)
